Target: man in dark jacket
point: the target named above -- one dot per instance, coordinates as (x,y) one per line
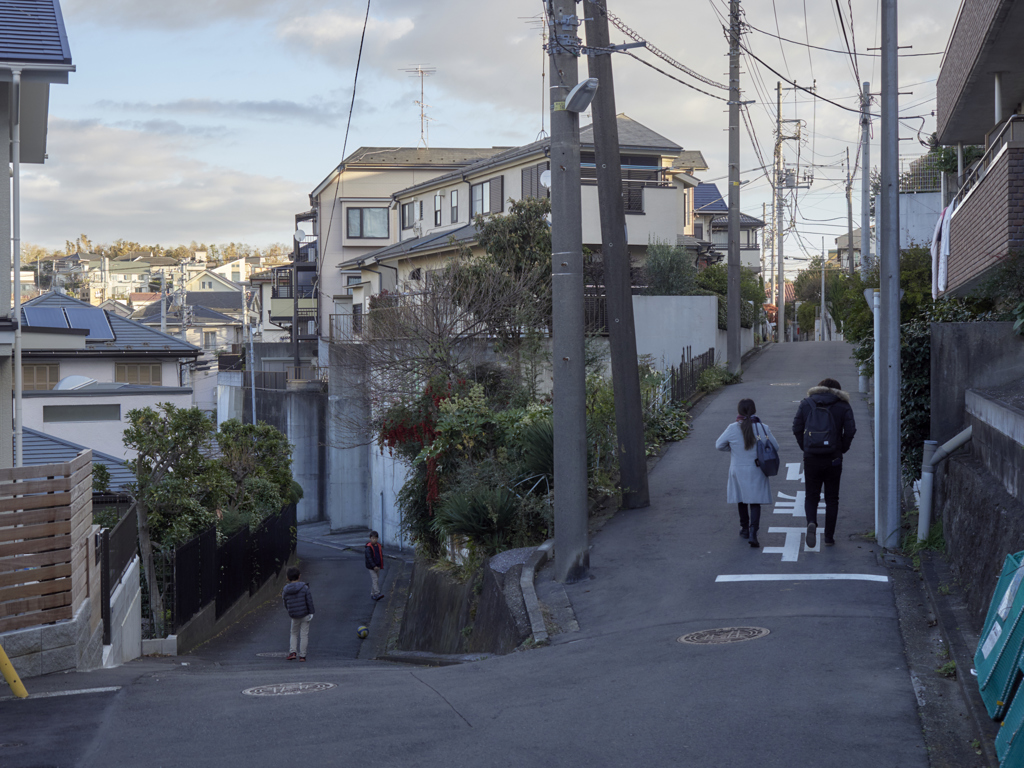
(298,601)
(826,404)
(374,563)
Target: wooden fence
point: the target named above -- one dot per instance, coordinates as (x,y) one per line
(45,543)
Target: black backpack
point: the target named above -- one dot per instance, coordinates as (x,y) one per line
(820,434)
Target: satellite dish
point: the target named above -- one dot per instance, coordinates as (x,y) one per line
(545,179)
(300,235)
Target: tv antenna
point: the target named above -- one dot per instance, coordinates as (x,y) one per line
(422,72)
(540,22)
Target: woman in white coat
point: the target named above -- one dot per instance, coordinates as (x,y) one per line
(748,485)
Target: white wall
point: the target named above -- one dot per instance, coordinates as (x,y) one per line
(102,370)
(666,325)
(918,213)
(106,436)
(125,619)
(662,218)
(387,475)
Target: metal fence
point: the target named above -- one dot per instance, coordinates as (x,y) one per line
(195,576)
(683,380)
(118,547)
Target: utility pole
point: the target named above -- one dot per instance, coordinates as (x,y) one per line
(821,302)
(865,181)
(572,556)
(733,285)
(849,214)
(779,184)
(629,423)
(889,276)
(163,300)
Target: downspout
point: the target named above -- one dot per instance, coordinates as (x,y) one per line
(932,457)
(16,254)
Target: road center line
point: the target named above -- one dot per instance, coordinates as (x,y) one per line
(801,577)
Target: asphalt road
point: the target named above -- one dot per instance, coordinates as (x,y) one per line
(828,685)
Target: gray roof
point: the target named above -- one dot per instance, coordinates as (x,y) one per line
(150,314)
(129,335)
(33,31)
(633,135)
(40,448)
(748,222)
(691,158)
(416,245)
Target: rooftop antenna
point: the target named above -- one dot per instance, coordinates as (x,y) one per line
(540,22)
(422,72)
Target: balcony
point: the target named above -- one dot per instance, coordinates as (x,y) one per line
(988,222)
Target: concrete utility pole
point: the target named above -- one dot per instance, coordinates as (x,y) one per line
(733,285)
(163,301)
(572,556)
(779,185)
(629,422)
(888,340)
(865,181)
(849,214)
(821,301)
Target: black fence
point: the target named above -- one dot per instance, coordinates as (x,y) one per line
(234,570)
(683,380)
(118,547)
(195,576)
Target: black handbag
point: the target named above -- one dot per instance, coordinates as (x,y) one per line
(767,454)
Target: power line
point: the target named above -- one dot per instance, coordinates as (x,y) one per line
(672,77)
(835,50)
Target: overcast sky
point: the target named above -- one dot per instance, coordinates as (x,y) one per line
(212,120)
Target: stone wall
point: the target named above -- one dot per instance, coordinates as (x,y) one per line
(61,647)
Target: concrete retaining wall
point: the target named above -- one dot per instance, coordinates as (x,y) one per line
(60,647)
(125,619)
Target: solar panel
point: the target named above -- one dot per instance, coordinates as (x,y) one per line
(45,317)
(93,319)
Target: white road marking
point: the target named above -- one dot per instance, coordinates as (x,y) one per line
(801,577)
(790,551)
(794,505)
(795,471)
(77,692)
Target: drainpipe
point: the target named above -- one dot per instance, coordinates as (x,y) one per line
(998,92)
(16,256)
(932,457)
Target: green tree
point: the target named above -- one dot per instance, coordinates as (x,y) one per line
(669,270)
(256,458)
(172,477)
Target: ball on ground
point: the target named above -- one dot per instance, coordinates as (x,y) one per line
(363,632)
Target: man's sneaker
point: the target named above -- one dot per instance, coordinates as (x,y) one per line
(290,657)
(812,537)
(745,532)
(302,658)
(829,542)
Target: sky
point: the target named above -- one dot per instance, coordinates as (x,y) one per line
(212,120)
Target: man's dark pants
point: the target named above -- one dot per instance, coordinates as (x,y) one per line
(820,471)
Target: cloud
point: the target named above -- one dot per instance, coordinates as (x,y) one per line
(330,28)
(174,128)
(272,110)
(169,14)
(112,182)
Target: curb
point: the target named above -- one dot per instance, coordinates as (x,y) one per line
(539,633)
(959,652)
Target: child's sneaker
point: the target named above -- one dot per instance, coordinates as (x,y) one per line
(290,657)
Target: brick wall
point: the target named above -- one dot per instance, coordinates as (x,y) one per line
(990,223)
(972,25)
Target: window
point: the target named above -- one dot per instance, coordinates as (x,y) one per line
(357,318)
(236,276)
(487,197)
(531,180)
(352,280)
(698,230)
(59,413)
(416,274)
(411,213)
(437,209)
(40,376)
(454,199)
(139,373)
(369,222)
(209,339)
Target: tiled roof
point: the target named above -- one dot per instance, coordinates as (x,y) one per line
(33,31)
(129,335)
(415,245)
(40,448)
(707,199)
(633,135)
(745,221)
(151,313)
(691,158)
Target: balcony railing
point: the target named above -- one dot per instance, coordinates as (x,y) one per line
(1011,130)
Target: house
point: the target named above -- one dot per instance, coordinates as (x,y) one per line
(84,368)
(209,281)
(239,270)
(436,217)
(265,327)
(351,214)
(117,307)
(40,448)
(842,250)
(34,50)
(711,229)
(978,92)
(108,278)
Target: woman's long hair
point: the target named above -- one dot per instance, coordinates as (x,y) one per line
(746,409)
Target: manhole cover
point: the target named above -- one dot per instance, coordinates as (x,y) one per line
(273,655)
(723,635)
(287,689)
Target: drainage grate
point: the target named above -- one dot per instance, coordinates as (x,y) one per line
(273,655)
(287,689)
(723,635)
